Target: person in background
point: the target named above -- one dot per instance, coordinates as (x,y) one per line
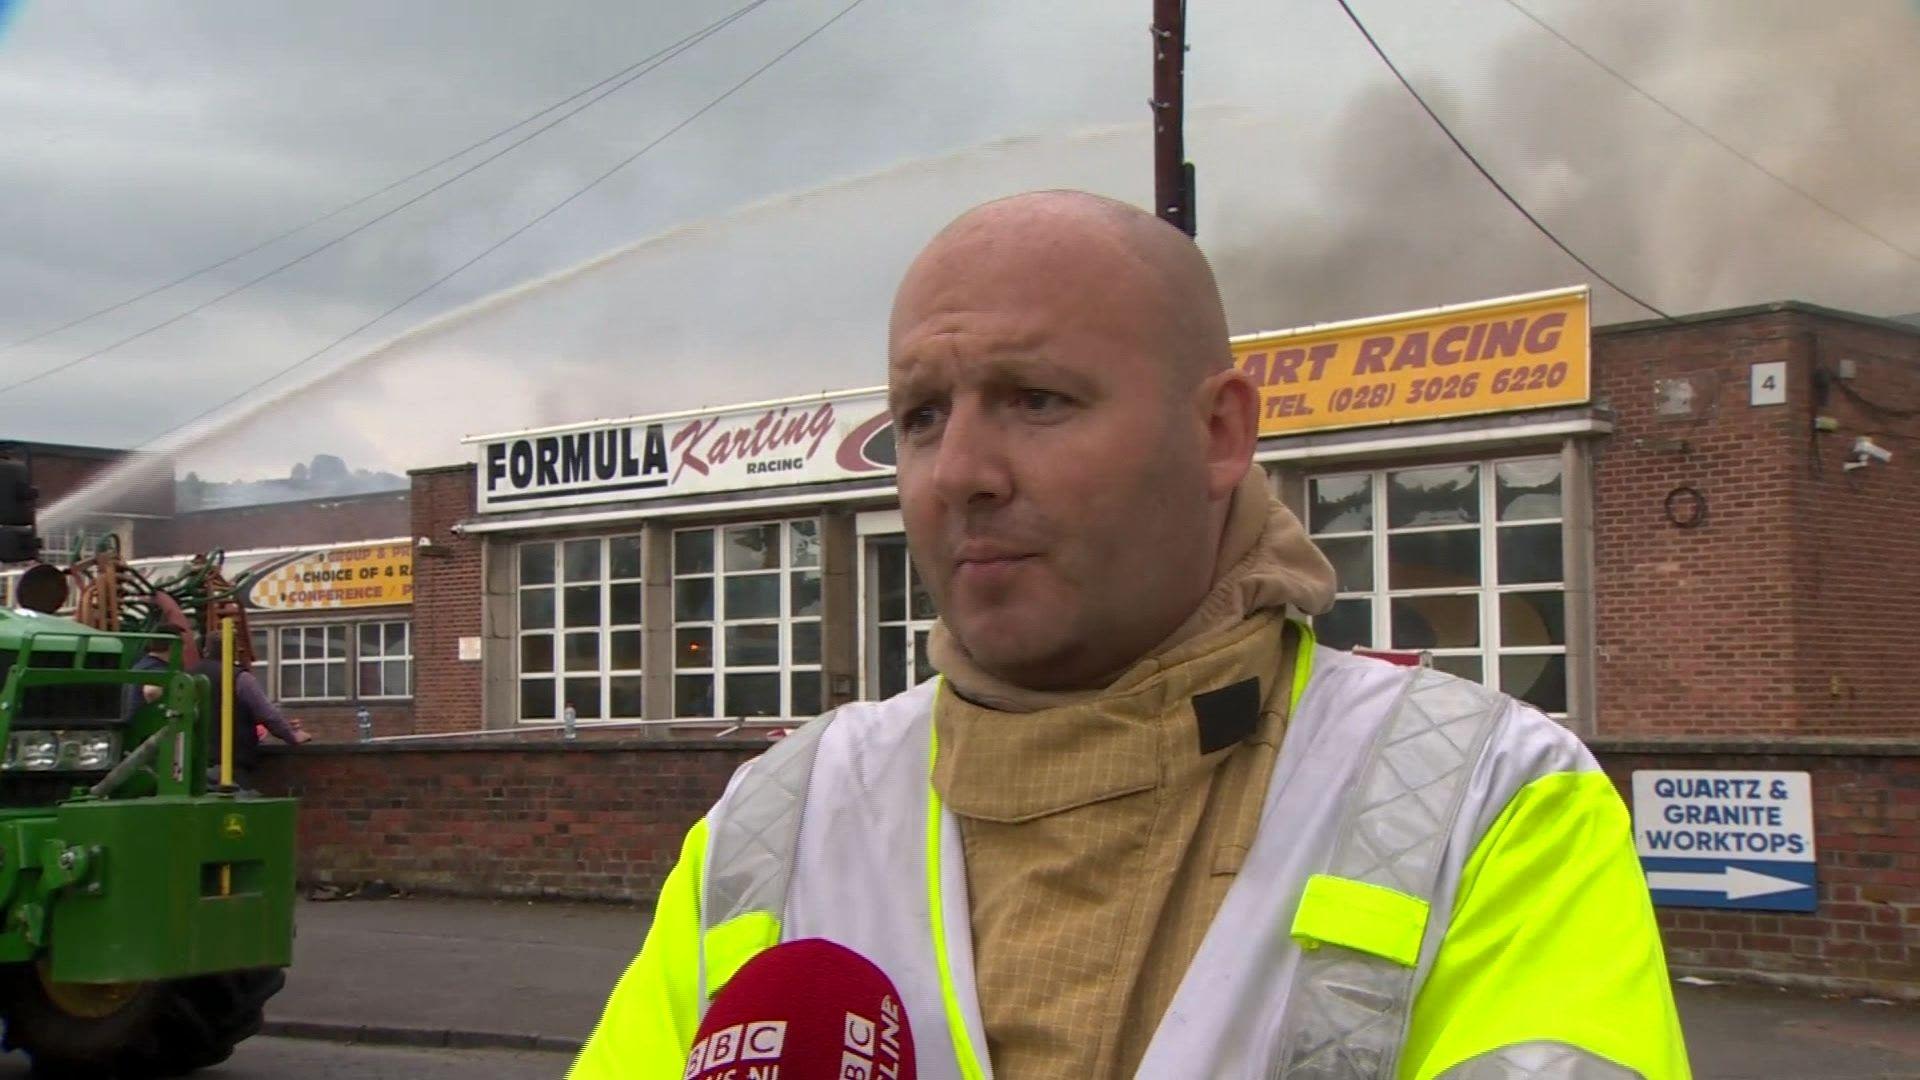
(157,657)
(253,711)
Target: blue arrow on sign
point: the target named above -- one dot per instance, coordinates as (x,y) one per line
(1777,886)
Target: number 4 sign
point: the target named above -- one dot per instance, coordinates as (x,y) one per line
(1768,385)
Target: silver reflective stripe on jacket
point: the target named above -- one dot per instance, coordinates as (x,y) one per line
(1348,1010)
(1539,1061)
(753,833)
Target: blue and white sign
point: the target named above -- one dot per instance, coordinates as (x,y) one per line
(1726,839)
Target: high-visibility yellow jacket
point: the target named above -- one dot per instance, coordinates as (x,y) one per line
(1455,895)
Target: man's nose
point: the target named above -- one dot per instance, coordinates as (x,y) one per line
(970,467)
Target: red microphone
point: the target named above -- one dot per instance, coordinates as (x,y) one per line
(805,1010)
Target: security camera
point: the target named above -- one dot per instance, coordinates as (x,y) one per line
(1864,448)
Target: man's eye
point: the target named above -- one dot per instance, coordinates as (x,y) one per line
(918,418)
(1039,400)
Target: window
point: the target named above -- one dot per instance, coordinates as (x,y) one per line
(262,641)
(903,617)
(313,662)
(386,659)
(746,620)
(1463,561)
(580,606)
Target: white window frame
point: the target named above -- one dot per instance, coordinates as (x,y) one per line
(605,672)
(1489,591)
(305,663)
(382,658)
(875,625)
(719,668)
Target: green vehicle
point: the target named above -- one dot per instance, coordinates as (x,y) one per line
(147,914)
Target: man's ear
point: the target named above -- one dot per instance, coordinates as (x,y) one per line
(1230,410)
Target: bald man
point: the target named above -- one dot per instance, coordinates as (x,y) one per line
(1141,824)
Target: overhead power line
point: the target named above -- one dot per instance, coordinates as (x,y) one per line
(510,237)
(1710,136)
(338,210)
(653,63)
(1482,169)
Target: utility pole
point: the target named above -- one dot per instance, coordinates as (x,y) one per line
(1172,172)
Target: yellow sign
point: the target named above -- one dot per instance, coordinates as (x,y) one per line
(375,575)
(1526,352)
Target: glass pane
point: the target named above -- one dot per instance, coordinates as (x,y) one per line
(922,662)
(693,647)
(806,594)
(922,599)
(806,643)
(1528,554)
(625,650)
(804,538)
(1435,622)
(753,646)
(1540,681)
(337,678)
(395,678)
(262,646)
(1435,560)
(583,605)
(370,679)
(337,647)
(1352,559)
(693,695)
(583,651)
(693,552)
(751,547)
(893,660)
(536,699)
(584,696)
(316,642)
(1467,667)
(1442,495)
(693,600)
(536,564)
(292,681)
(290,644)
(623,602)
(623,695)
(396,638)
(536,653)
(754,695)
(582,558)
(1526,490)
(891,568)
(1533,618)
(806,699)
(369,639)
(755,596)
(623,557)
(536,609)
(1340,503)
(1350,623)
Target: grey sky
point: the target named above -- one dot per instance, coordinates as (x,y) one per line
(758,246)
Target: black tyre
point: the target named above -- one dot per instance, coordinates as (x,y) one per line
(133,1031)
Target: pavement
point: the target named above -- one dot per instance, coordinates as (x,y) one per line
(513,977)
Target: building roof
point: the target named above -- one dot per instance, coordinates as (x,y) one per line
(1904,324)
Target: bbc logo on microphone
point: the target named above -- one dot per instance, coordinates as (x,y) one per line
(870,1051)
(757,1040)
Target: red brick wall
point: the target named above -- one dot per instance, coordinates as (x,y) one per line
(341,723)
(1867,835)
(601,820)
(1857,557)
(294,524)
(446,603)
(1788,610)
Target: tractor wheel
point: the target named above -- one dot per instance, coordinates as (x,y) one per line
(131,1031)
